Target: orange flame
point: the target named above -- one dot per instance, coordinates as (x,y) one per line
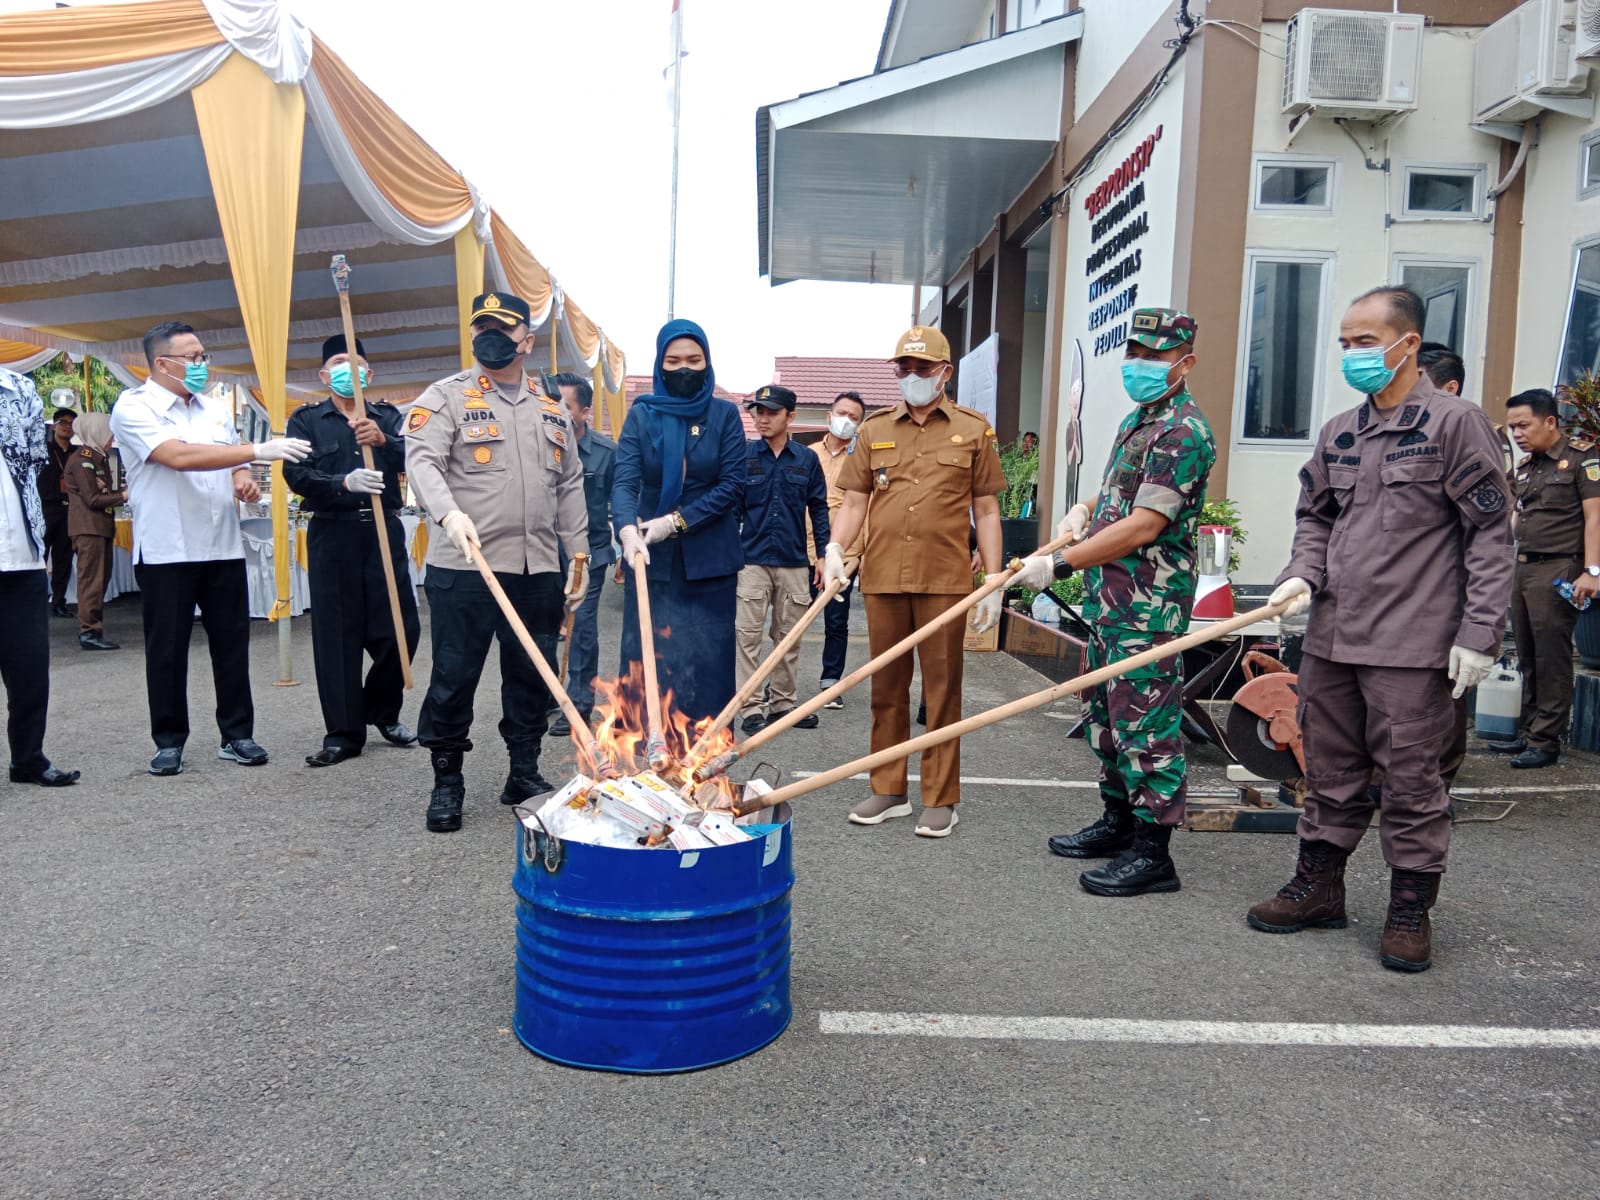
(623,731)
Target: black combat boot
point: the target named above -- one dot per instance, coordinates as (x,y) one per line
(1407,943)
(1111,834)
(1313,898)
(524,779)
(449,790)
(1144,867)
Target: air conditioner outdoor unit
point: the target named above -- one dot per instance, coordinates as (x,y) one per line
(1525,65)
(1359,65)
(1586,36)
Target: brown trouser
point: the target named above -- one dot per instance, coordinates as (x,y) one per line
(1453,752)
(890,617)
(785,592)
(94,569)
(1542,623)
(1354,718)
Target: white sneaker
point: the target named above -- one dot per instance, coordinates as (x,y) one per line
(837,701)
(876,809)
(938,822)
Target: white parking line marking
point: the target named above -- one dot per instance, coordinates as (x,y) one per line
(1092,785)
(1212,1033)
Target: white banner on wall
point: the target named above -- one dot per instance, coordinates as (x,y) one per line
(978,378)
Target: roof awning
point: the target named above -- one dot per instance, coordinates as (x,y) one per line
(895,177)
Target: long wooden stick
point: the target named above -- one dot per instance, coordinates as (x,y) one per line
(655,743)
(571,619)
(937,737)
(584,740)
(731,709)
(720,764)
(341,283)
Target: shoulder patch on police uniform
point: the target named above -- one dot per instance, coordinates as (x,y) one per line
(1345,440)
(417,418)
(1487,497)
(1591,471)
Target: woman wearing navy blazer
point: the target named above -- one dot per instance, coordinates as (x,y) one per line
(679,484)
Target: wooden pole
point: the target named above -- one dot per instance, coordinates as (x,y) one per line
(655,743)
(341,283)
(582,562)
(720,764)
(936,737)
(731,709)
(586,743)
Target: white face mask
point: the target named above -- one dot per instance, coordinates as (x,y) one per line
(919,392)
(842,428)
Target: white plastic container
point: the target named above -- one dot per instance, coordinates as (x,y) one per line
(1500,703)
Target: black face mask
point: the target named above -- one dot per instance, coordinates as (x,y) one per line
(683,383)
(494,349)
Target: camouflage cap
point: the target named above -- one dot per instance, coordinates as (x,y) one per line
(1162,328)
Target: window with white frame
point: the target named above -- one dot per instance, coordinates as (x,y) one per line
(1446,287)
(1443,192)
(1589,166)
(1285,311)
(1580,347)
(1292,184)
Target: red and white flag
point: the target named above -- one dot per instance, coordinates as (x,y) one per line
(675,52)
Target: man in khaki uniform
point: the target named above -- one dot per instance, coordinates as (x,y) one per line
(918,469)
(496,465)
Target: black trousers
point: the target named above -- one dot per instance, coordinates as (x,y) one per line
(170,592)
(350,619)
(58,544)
(836,632)
(464,619)
(25,666)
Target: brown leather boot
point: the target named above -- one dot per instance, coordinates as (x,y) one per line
(1313,899)
(1407,933)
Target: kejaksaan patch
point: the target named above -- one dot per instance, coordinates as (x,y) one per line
(1486,497)
(1412,438)
(1345,440)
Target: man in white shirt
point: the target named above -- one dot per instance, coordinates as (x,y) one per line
(25,649)
(185,470)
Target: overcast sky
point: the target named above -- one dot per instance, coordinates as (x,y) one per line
(558,112)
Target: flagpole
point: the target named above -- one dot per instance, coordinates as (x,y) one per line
(677,108)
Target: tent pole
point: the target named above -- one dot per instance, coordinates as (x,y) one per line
(677,109)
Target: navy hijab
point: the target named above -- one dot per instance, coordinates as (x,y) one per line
(675,414)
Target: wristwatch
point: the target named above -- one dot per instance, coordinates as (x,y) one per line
(679,523)
(1060,567)
(1593,569)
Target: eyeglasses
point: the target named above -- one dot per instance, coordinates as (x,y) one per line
(197,358)
(919,367)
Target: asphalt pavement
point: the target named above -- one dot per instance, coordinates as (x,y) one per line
(273,982)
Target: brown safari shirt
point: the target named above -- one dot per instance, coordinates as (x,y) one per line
(1403,530)
(1551,488)
(509,460)
(920,482)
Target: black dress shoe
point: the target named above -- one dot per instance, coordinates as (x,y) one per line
(1515,746)
(331,756)
(397,734)
(95,641)
(753,723)
(562,727)
(49,777)
(168,761)
(1134,872)
(809,721)
(61,610)
(1535,757)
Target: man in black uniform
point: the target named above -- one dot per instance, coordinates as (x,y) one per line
(53,499)
(1558,538)
(350,612)
(599,457)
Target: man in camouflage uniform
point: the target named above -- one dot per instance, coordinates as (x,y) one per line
(1136,543)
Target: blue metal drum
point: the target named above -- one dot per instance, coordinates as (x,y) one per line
(652,961)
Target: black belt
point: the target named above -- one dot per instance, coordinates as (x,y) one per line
(1530,557)
(360,514)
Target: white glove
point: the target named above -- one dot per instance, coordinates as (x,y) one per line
(833,564)
(287,449)
(986,612)
(460,529)
(657,529)
(577,582)
(364,480)
(1076,522)
(1037,572)
(1468,669)
(1297,591)
(632,545)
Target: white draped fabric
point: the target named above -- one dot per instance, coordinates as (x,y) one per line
(29,362)
(267,34)
(98,94)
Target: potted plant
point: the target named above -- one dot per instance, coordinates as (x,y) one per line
(1580,412)
(1224,512)
(1018,520)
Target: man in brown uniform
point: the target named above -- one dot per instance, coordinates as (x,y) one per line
(496,465)
(917,469)
(1558,538)
(1402,550)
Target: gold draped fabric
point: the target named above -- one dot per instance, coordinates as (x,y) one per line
(252,130)
(524,274)
(59,41)
(585,333)
(469,284)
